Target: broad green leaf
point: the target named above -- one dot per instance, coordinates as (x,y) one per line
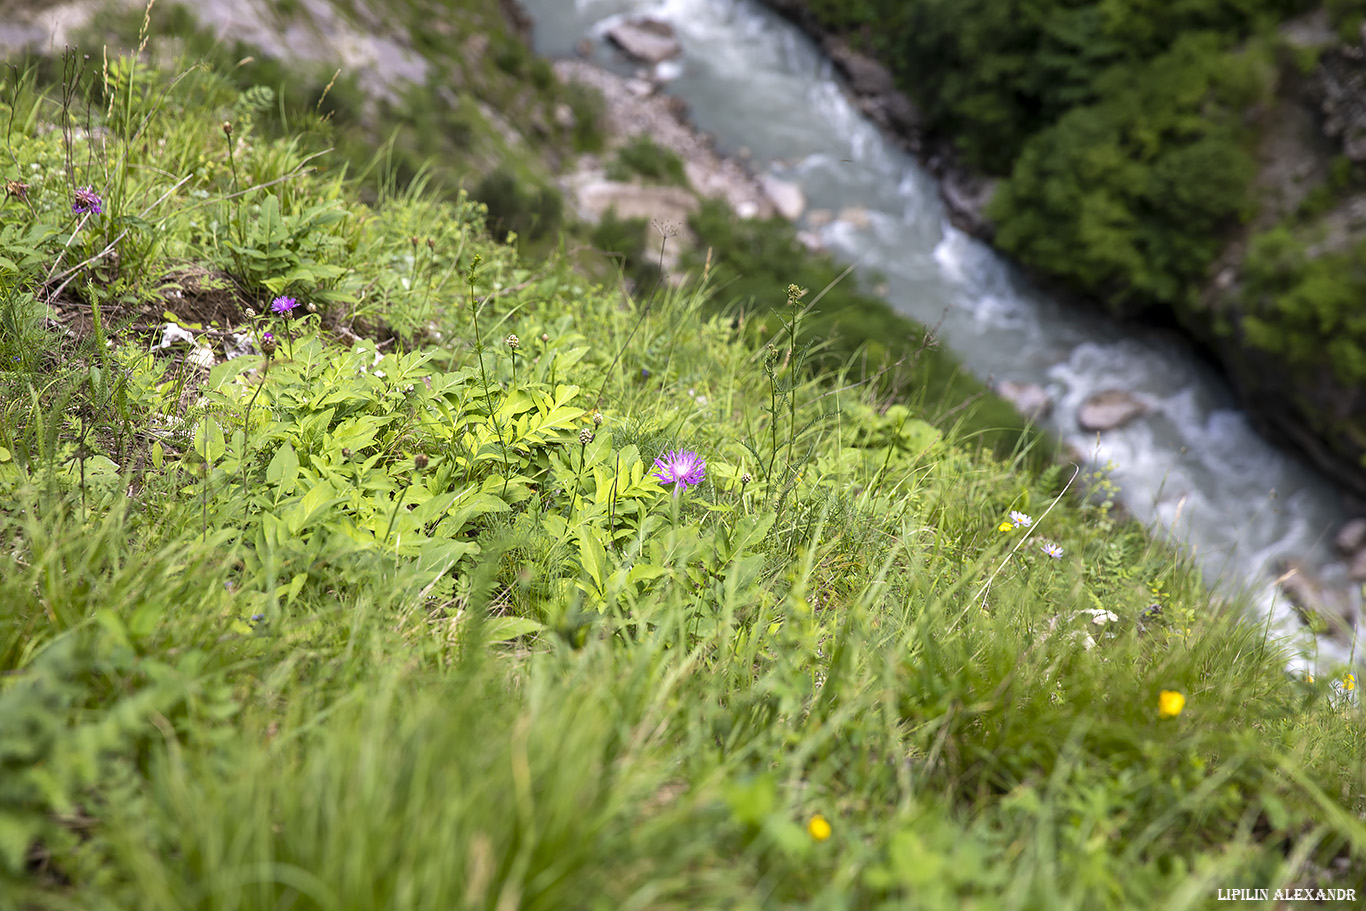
(311,506)
(208,440)
(592,556)
(283,470)
(504,629)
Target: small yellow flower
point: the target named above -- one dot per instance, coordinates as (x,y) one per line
(1349,682)
(1170,703)
(1004,526)
(819,827)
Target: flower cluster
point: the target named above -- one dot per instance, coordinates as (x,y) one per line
(681,468)
(87,201)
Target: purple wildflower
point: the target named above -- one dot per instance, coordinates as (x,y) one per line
(87,200)
(680,468)
(1052,550)
(1020,518)
(283,305)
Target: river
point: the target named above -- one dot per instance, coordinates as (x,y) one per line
(1192,467)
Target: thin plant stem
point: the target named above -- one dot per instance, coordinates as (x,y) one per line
(246,429)
(483,373)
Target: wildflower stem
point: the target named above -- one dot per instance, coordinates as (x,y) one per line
(1076,469)
(483,373)
(394,514)
(246,429)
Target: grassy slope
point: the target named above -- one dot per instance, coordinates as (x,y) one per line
(253,655)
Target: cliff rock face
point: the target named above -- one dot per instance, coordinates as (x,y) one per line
(1308,407)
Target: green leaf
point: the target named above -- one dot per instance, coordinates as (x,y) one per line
(16,834)
(504,629)
(283,470)
(592,555)
(310,507)
(208,441)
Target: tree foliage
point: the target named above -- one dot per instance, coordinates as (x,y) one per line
(1308,310)
(1127,197)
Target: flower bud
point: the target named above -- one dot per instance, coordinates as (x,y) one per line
(268,344)
(227,128)
(585,437)
(420,461)
(513,342)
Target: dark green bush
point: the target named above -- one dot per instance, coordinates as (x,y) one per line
(1307,310)
(623,240)
(516,205)
(1128,198)
(643,157)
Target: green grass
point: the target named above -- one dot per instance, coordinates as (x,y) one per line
(391,619)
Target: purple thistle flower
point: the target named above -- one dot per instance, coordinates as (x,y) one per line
(87,200)
(680,468)
(283,305)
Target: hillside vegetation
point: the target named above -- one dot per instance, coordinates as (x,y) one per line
(1185,161)
(355,558)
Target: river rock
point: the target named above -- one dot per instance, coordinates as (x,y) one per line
(1351,537)
(866,76)
(785,195)
(855,216)
(647,40)
(1317,604)
(664,205)
(1108,410)
(1030,399)
(819,218)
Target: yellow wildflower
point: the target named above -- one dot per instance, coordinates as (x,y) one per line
(1349,682)
(819,827)
(1004,526)
(1170,703)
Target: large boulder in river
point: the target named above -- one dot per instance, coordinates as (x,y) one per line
(786,196)
(866,76)
(1109,410)
(648,40)
(1323,608)
(1030,399)
(1351,537)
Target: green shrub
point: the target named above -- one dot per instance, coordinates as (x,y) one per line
(644,158)
(625,242)
(1129,198)
(516,204)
